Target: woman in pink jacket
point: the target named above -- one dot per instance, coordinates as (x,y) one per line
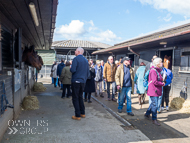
(154,89)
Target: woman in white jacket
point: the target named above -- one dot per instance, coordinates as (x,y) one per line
(54,71)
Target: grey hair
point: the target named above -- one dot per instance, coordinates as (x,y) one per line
(116,62)
(102,61)
(156,61)
(110,57)
(81,50)
(98,62)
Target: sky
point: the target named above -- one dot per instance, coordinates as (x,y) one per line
(115,21)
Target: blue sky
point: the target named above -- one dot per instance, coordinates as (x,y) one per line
(114,21)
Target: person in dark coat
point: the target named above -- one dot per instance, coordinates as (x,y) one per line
(65,79)
(90,84)
(59,70)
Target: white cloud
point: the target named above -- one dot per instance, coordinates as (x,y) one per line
(87,30)
(72,31)
(174,6)
(91,22)
(167,18)
(107,36)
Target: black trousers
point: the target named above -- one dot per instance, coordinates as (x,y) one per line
(166,92)
(66,86)
(55,82)
(88,94)
(77,98)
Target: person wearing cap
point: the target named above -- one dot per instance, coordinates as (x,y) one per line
(124,78)
(109,76)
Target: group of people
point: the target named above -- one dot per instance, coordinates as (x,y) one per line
(83,77)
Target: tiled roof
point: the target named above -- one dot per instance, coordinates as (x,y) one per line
(79,43)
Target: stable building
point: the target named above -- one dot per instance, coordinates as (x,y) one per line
(66,49)
(173,43)
(22,23)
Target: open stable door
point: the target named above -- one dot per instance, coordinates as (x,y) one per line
(167,56)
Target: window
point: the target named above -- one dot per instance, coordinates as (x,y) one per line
(185,61)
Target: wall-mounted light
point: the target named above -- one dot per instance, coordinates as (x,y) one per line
(34,14)
(163,43)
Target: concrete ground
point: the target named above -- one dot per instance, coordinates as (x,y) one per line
(52,123)
(175,126)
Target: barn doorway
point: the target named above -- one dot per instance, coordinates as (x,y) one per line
(132,61)
(167,56)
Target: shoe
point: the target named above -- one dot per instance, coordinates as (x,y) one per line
(162,108)
(124,104)
(119,110)
(147,116)
(167,108)
(75,118)
(89,101)
(158,112)
(82,116)
(61,88)
(130,113)
(62,96)
(113,99)
(85,100)
(155,122)
(109,99)
(67,96)
(101,95)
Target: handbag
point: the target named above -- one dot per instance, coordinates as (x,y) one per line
(51,75)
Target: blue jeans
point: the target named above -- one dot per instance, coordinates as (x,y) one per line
(104,84)
(56,82)
(159,101)
(113,89)
(125,91)
(153,107)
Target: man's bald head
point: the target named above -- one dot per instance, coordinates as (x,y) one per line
(79,51)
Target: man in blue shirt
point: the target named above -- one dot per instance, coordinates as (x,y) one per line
(80,73)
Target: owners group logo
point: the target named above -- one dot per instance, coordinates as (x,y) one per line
(27,127)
